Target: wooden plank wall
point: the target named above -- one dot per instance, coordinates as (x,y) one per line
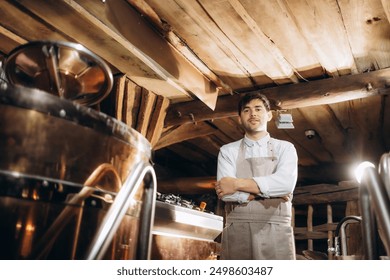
(317,211)
(139,108)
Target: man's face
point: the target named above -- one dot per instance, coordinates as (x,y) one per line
(254,116)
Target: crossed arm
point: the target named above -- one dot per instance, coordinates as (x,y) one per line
(278,184)
(230,185)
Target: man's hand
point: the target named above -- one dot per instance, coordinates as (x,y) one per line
(225,186)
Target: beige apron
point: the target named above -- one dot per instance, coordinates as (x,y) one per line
(260,229)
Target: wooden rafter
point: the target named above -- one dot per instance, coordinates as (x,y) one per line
(9,40)
(94,29)
(183,133)
(291,96)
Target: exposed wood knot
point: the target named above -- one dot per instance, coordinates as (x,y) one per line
(192,117)
(372,20)
(166,26)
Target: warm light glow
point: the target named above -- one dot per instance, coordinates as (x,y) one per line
(359,171)
(30,228)
(25,193)
(35,195)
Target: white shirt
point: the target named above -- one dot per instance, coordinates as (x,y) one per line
(280,183)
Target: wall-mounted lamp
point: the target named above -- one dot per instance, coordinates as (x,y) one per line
(284,120)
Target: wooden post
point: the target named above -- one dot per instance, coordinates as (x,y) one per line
(310,226)
(157,120)
(119,83)
(353,232)
(330,232)
(131,103)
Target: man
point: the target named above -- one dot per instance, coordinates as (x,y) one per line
(256,177)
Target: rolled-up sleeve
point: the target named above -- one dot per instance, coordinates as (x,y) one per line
(226,164)
(282,181)
(227,168)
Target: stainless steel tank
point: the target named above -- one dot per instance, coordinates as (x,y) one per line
(63,167)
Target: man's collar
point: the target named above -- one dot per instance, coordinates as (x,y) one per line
(262,141)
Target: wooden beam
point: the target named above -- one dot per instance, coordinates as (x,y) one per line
(317,228)
(313,93)
(9,40)
(317,189)
(172,66)
(18,27)
(327,197)
(136,52)
(310,236)
(183,133)
(177,42)
(318,232)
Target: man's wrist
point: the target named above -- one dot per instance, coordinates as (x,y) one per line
(246,185)
(239,184)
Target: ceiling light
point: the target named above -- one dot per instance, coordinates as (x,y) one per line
(310,133)
(284,120)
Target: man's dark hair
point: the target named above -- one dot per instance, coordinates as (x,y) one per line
(249,97)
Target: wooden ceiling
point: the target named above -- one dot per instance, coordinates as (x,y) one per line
(324,61)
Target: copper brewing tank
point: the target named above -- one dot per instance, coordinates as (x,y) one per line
(70,176)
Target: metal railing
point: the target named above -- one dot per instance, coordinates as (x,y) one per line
(374,202)
(340,239)
(142,173)
(375,206)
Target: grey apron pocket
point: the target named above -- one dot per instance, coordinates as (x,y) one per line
(236,242)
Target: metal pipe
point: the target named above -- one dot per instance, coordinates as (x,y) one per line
(384,171)
(147,218)
(344,251)
(369,227)
(118,209)
(381,203)
(340,234)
